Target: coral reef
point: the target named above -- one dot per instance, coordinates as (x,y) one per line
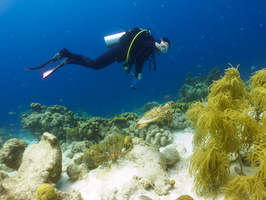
(196,88)
(55,119)
(62,123)
(124,120)
(11,153)
(229,126)
(94,128)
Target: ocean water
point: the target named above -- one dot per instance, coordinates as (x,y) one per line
(203,34)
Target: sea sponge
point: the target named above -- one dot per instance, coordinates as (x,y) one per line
(46,192)
(185,197)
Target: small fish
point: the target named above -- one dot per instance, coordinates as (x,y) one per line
(167,96)
(253,67)
(11,113)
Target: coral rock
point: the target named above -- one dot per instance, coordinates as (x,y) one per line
(171,154)
(12,152)
(41,163)
(153,162)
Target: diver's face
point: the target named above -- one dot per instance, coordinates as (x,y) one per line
(162,46)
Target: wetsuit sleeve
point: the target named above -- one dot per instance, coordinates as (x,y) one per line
(142,56)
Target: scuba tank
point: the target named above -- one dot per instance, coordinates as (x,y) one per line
(111,40)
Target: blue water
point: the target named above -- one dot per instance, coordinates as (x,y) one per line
(203,34)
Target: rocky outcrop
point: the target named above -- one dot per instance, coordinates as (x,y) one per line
(153,174)
(12,152)
(41,163)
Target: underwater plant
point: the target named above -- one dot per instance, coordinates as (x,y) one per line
(228,126)
(111,148)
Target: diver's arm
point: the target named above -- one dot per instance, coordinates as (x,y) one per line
(142,56)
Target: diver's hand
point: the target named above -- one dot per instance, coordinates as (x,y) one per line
(133,84)
(136,75)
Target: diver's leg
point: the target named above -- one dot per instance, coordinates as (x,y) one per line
(102,61)
(63,53)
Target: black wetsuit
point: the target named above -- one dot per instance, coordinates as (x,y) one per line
(142,48)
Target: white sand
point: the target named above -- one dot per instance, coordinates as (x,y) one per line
(112,178)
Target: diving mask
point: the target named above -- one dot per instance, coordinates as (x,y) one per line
(162,46)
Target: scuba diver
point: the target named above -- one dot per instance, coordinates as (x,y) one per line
(134,46)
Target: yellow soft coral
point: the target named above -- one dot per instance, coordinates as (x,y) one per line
(210,168)
(226,126)
(245,188)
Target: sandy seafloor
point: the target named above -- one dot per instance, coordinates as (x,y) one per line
(100,180)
